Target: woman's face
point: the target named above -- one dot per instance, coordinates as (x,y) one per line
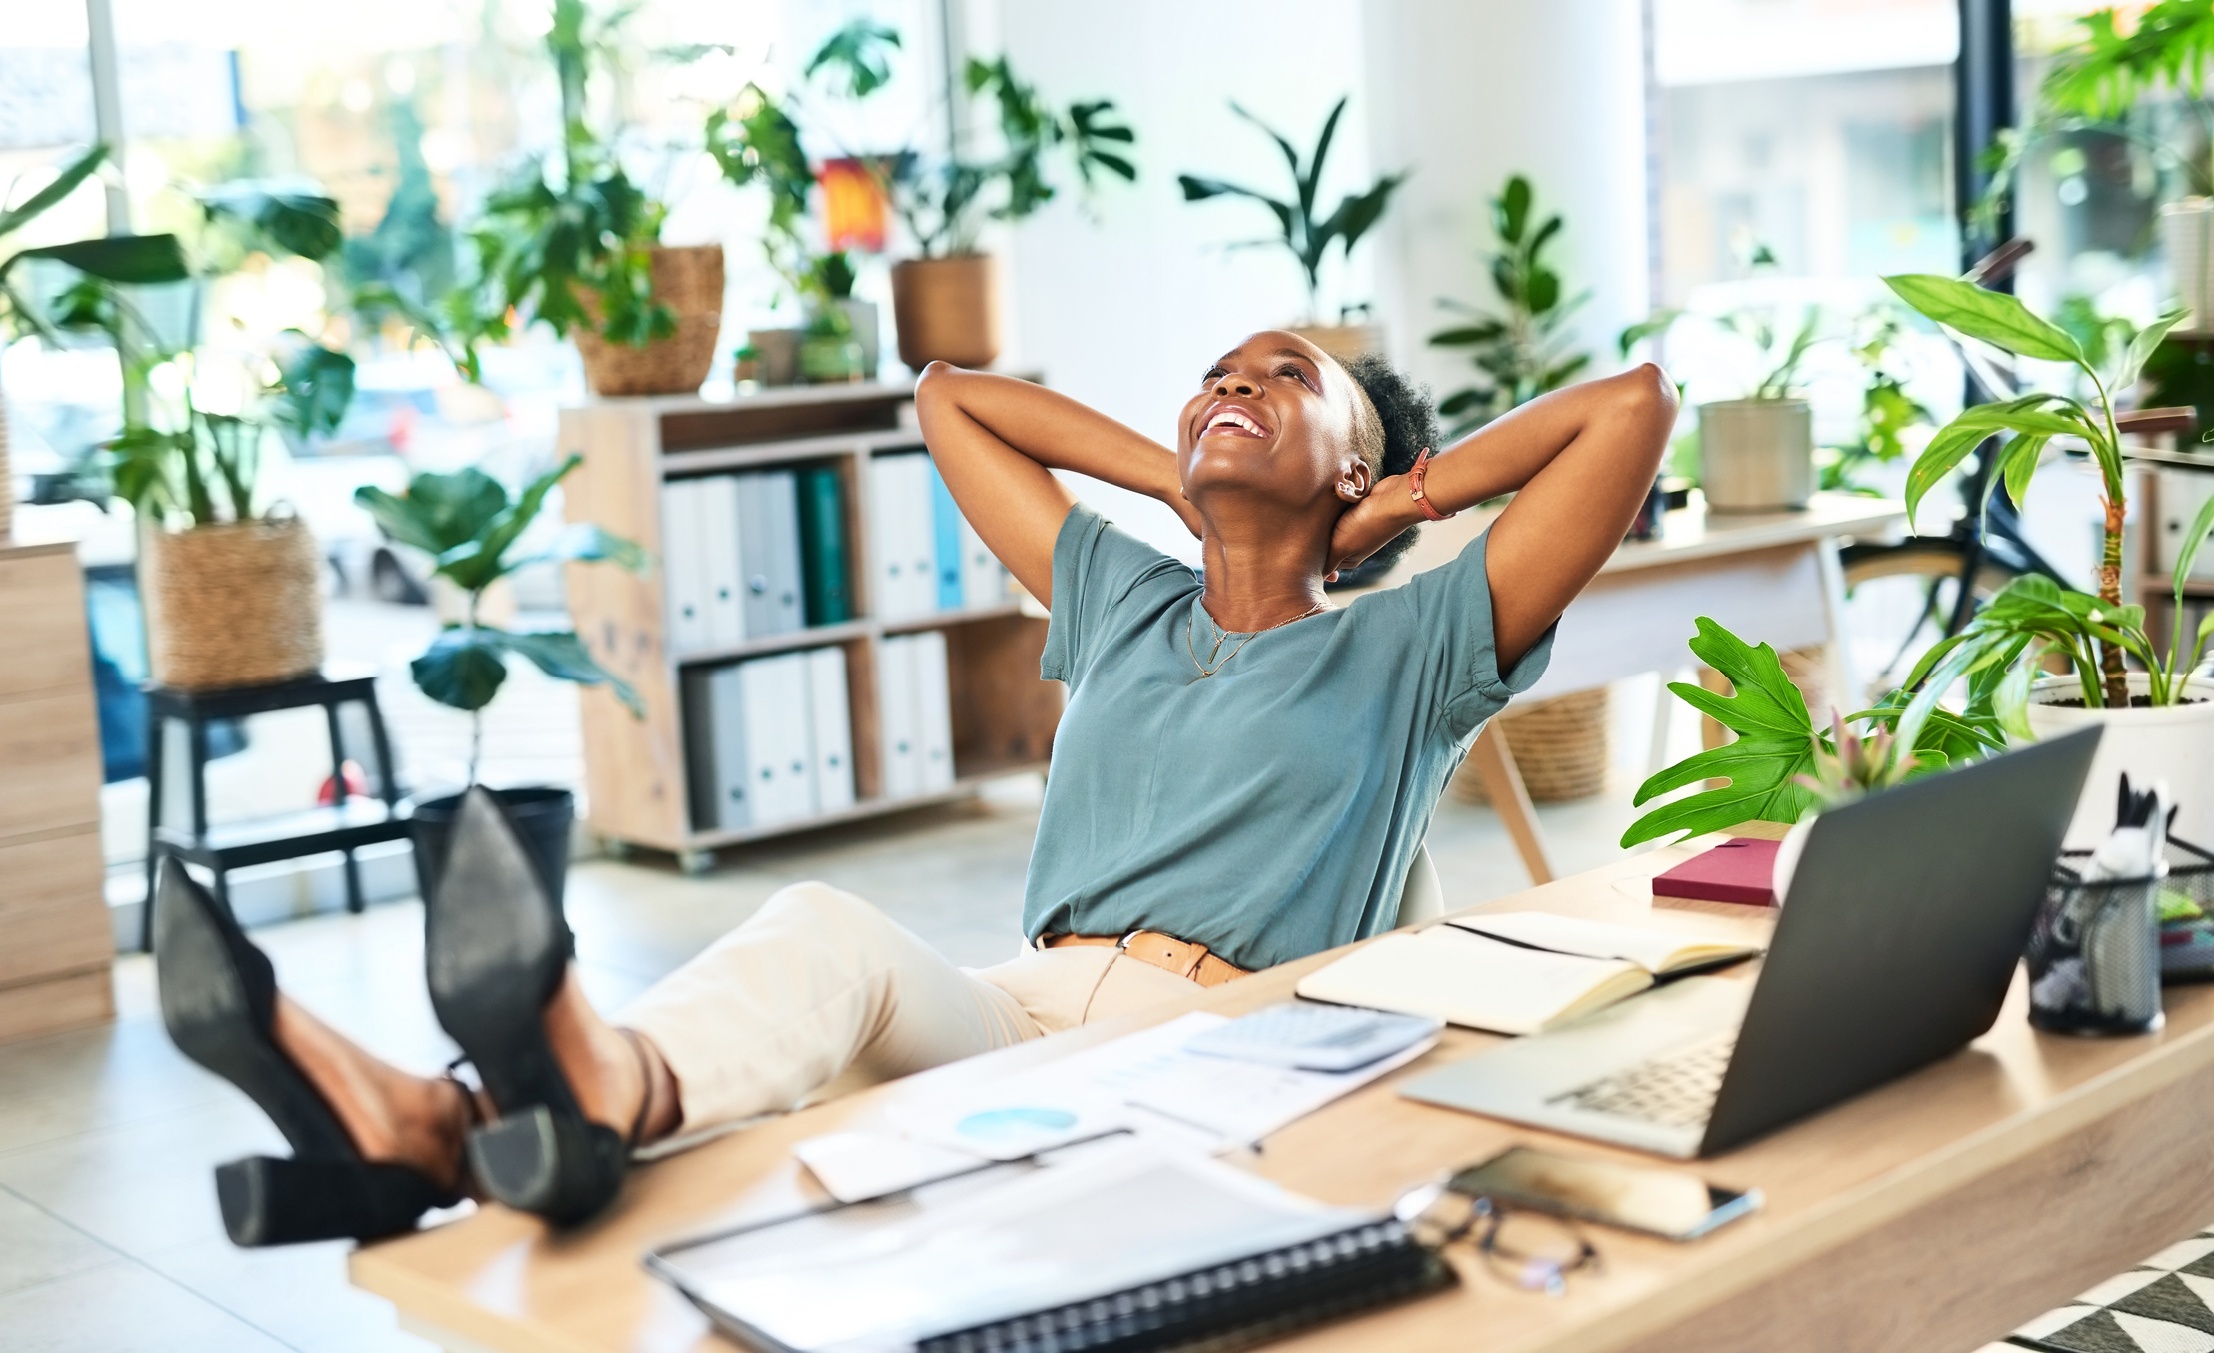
(1274,418)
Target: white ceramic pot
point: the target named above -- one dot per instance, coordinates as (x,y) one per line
(2187,233)
(2175,744)
(1788,851)
(1756,455)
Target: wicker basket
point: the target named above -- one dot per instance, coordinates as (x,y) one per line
(239,604)
(1559,745)
(689,281)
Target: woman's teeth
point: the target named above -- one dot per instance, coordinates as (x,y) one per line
(1232,418)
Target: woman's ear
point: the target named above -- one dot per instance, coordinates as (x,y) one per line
(1355,483)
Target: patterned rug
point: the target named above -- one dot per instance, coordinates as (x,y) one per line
(2164,1305)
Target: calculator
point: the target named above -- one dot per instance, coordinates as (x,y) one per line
(1314,1037)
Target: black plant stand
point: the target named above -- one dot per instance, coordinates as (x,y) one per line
(344,826)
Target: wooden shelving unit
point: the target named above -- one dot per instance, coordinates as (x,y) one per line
(1003,715)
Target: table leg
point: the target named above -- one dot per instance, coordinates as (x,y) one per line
(1503,782)
(1664,711)
(1844,685)
(156,727)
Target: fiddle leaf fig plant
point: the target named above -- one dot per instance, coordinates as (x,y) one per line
(467,524)
(1307,236)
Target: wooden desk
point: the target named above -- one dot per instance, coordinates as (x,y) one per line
(1931,1215)
(1772,577)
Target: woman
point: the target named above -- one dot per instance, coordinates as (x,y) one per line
(1242,776)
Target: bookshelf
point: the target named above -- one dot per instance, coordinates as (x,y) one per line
(637,772)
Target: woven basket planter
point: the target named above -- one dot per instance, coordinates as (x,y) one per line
(239,604)
(1559,745)
(689,281)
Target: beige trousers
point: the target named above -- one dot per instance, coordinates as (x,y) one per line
(821,991)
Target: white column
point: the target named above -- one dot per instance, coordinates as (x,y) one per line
(1470,91)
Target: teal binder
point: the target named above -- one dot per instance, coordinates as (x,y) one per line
(824,557)
(945,522)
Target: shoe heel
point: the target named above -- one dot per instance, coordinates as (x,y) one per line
(557,1165)
(271,1201)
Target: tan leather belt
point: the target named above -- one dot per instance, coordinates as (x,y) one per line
(1185,958)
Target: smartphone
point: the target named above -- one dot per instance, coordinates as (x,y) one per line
(1665,1203)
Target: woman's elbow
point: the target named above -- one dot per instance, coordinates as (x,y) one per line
(935,386)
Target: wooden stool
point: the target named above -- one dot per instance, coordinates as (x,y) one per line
(343,826)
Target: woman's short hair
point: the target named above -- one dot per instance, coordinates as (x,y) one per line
(1395,422)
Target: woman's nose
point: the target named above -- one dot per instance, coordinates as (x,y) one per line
(1236,385)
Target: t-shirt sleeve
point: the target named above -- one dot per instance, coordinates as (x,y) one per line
(1452,610)
(1095,569)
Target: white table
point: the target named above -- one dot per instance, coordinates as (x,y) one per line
(1771,577)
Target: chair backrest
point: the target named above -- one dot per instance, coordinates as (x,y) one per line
(1423,898)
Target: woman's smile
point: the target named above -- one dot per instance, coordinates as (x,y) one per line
(1230,418)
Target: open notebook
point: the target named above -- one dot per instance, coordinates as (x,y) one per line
(1524,973)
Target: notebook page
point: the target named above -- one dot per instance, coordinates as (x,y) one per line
(1466,979)
(1656,951)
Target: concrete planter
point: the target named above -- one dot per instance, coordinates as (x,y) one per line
(1756,455)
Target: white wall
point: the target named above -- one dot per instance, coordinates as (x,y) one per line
(1475,92)
(1125,311)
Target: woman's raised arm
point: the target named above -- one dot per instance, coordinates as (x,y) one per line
(1579,462)
(996,440)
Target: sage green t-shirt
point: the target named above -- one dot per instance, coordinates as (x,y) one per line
(1269,811)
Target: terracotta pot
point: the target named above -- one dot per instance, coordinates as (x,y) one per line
(947,310)
(240,604)
(688,280)
(2174,743)
(1343,341)
(1756,455)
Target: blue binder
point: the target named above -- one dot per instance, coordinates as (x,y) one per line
(945,518)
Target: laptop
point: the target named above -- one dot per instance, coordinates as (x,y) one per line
(1905,918)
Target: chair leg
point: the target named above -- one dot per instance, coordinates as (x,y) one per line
(354,901)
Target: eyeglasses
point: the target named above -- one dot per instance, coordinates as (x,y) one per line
(1533,1251)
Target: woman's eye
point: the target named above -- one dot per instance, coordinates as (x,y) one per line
(1214,373)
(1297,373)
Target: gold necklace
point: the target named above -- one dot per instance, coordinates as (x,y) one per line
(1221,634)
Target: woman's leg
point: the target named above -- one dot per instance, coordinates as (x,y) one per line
(817,986)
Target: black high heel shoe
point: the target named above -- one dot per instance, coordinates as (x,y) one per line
(218,999)
(496,947)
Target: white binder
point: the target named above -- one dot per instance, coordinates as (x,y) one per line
(779,758)
(780,515)
(755,533)
(831,719)
(919,519)
(895,683)
(734,796)
(933,711)
(983,580)
(682,565)
(887,570)
(720,544)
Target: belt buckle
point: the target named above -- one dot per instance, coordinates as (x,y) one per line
(1122,946)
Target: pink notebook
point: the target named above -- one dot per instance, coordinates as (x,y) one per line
(1740,871)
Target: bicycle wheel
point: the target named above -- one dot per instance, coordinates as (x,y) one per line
(1898,600)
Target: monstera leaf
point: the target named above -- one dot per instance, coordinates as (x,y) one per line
(1775,745)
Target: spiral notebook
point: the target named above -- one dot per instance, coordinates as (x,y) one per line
(1130,1246)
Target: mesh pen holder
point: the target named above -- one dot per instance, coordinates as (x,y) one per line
(2094,955)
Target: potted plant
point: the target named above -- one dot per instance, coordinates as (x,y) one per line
(1780,766)
(231,582)
(1522,348)
(581,251)
(1307,237)
(469,525)
(1756,451)
(945,303)
(2158,715)
(755,141)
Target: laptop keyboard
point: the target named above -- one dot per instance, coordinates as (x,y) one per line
(1677,1090)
